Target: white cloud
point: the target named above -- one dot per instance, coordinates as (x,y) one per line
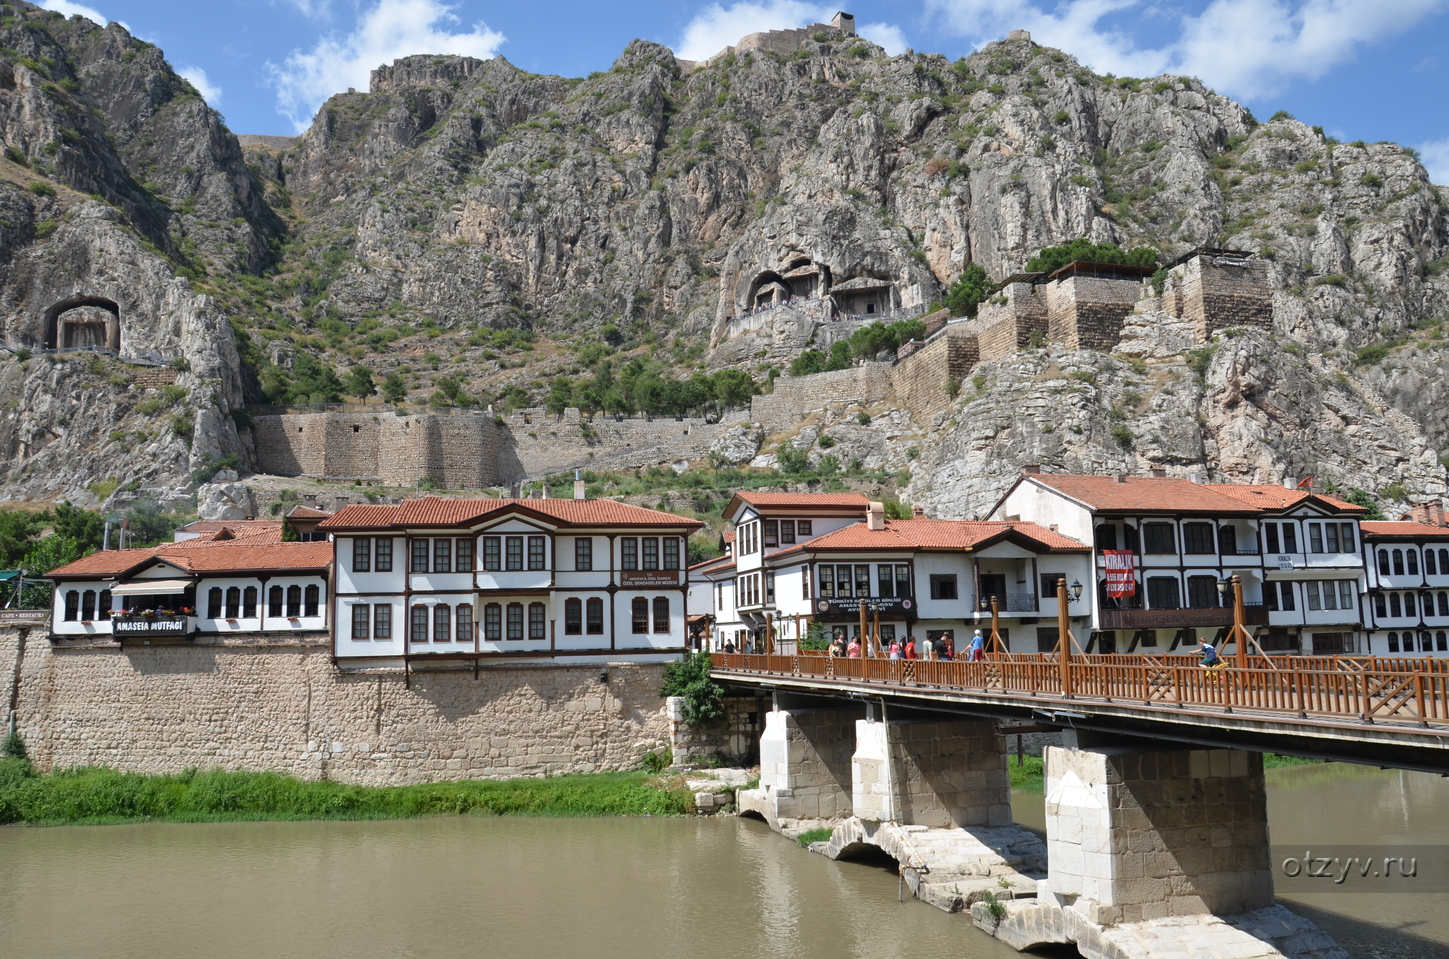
(886,35)
(71,9)
(1436,160)
(716,27)
(316,9)
(388,31)
(197,78)
(1249,48)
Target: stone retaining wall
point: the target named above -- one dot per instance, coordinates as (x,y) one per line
(286,708)
(923,380)
(456,451)
(795,397)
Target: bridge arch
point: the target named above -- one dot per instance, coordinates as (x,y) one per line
(82,321)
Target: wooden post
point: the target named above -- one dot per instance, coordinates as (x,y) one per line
(1240,633)
(995,644)
(1064,638)
(769,636)
(875,632)
(864,636)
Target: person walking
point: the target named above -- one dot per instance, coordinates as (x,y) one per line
(978,647)
(895,650)
(853,650)
(910,647)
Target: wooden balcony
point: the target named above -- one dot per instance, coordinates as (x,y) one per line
(1253,615)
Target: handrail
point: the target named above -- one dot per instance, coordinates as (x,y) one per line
(1362,689)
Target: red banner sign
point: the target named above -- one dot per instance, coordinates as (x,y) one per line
(1120,578)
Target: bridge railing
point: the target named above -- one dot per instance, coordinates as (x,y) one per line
(1412,690)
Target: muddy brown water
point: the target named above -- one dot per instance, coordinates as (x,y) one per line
(598,888)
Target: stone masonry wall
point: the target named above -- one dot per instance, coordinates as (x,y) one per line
(288,709)
(795,397)
(735,740)
(457,451)
(1008,320)
(1216,293)
(922,380)
(1143,834)
(1086,312)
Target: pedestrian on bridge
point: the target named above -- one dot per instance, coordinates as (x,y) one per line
(853,650)
(1209,656)
(910,646)
(978,647)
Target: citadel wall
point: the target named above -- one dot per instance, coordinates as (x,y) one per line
(456,451)
(923,381)
(1086,312)
(796,397)
(287,709)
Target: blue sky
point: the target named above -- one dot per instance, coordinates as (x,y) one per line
(1361,69)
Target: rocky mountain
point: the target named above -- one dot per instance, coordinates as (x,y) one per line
(478,231)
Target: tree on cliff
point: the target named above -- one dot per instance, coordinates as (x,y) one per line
(1053,258)
(969,291)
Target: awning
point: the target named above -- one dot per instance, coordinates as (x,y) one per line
(6,575)
(151,587)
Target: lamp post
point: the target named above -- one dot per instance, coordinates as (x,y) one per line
(778,618)
(1064,639)
(995,627)
(875,627)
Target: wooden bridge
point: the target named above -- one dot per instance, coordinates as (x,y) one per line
(1384,711)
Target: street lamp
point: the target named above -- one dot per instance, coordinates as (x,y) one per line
(1076,588)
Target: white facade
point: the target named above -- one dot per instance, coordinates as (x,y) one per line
(1406,600)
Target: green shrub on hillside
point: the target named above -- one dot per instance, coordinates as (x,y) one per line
(1053,258)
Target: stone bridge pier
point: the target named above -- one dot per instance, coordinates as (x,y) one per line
(1137,832)
(805,764)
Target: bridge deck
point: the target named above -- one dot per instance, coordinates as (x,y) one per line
(1360,701)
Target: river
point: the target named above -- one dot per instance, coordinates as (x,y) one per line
(597,888)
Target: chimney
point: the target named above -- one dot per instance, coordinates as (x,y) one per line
(545,489)
(578,486)
(875,515)
(918,512)
(1290,482)
(1031,469)
(1159,472)
(1121,477)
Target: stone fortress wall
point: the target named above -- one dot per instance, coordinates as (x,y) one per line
(286,708)
(1212,289)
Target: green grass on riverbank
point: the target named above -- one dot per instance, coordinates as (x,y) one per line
(106,796)
(1030,778)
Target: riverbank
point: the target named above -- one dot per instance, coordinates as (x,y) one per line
(104,796)
(1030,777)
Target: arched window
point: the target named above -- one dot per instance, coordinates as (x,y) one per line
(1379,606)
(1408,642)
(1396,607)
(88,605)
(274,601)
(493,622)
(515,620)
(442,624)
(537,626)
(640,615)
(313,595)
(1441,641)
(233,602)
(1409,608)
(72,605)
(418,626)
(1444,562)
(573,617)
(294,601)
(464,629)
(595,621)
(104,612)
(1384,564)
(1429,568)
(661,614)
(1413,559)
(249,602)
(213,603)
(1393,642)
(1426,642)
(1398,562)
(1443,603)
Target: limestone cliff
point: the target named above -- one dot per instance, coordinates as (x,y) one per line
(650,203)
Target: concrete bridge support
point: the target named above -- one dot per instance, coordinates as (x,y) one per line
(1136,832)
(941,773)
(805,765)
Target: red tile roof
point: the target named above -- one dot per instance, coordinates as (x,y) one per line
(1143,494)
(1373,528)
(932,534)
(244,555)
(1270,497)
(833,502)
(306,512)
(235,525)
(437,511)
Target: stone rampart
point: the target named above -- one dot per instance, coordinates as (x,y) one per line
(1007,321)
(795,397)
(1218,292)
(924,380)
(287,709)
(1086,312)
(544,444)
(462,451)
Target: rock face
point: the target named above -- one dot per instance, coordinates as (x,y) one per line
(225,501)
(640,209)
